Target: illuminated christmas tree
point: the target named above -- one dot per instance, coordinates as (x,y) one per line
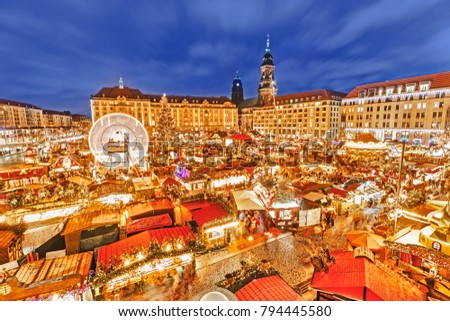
(165,127)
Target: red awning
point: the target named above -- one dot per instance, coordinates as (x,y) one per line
(240,137)
(197,205)
(205,211)
(170,181)
(209,214)
(270,288)
(339,192)
(148,223)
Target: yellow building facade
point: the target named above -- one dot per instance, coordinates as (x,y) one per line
(15,114)
(411,109)
(191,114)
(307,114)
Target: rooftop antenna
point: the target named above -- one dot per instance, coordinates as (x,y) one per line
(268,43)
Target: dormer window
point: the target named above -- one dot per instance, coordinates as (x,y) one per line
(399,89)
(410,88)
(380,91)
(424,86)
(371,92)
(389,91)
(362,94)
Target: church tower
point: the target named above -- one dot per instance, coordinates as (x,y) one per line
(267,89)
(237,92)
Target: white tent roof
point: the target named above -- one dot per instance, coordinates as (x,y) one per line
(247,200)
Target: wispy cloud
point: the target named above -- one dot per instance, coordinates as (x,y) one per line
(56,54)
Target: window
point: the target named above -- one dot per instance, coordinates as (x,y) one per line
(410,88)
(389,91)
(424,86)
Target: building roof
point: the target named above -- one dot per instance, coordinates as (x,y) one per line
(17,103)
(49,275)
(338,192)
(359,279)
(205,211)
(366,138)
(6,237)
(325,94)
(438,80)
(148,223)
(137,210)
(89,221)
(270,288)
(249,102)
(114,92)
(55,112)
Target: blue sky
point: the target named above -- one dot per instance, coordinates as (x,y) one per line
(55,54)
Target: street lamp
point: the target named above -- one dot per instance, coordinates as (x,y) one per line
(399,183)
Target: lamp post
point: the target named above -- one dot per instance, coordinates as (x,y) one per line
(399,183)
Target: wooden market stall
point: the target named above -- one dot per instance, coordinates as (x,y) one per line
(143,259)
(48,278)
(356,278)
(157,207)
(87,231)
(269,288)
(215,225)
(10,246)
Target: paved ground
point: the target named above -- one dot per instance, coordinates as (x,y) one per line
(286,253)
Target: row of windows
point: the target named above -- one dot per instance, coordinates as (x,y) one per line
(397,107)
(405,124)
(416,96)
(424,86)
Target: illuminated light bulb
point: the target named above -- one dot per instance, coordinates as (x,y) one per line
(179,246)
(126,263)
(168,247)
(250,238)
(140,256)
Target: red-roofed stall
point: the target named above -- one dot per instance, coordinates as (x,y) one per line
(113,251)
(214,223)
(269,288)
(149,223)
(357,278)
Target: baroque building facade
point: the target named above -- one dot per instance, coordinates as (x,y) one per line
(306,114)
(415,109)
(191,113)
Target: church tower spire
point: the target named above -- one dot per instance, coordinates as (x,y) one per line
(267,89)
(237,91)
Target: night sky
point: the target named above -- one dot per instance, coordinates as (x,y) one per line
(55,54)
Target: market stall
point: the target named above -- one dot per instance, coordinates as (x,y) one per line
(229,179)
(10,246)
(357,278)
(87,231)
(61,278)
(141,260)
